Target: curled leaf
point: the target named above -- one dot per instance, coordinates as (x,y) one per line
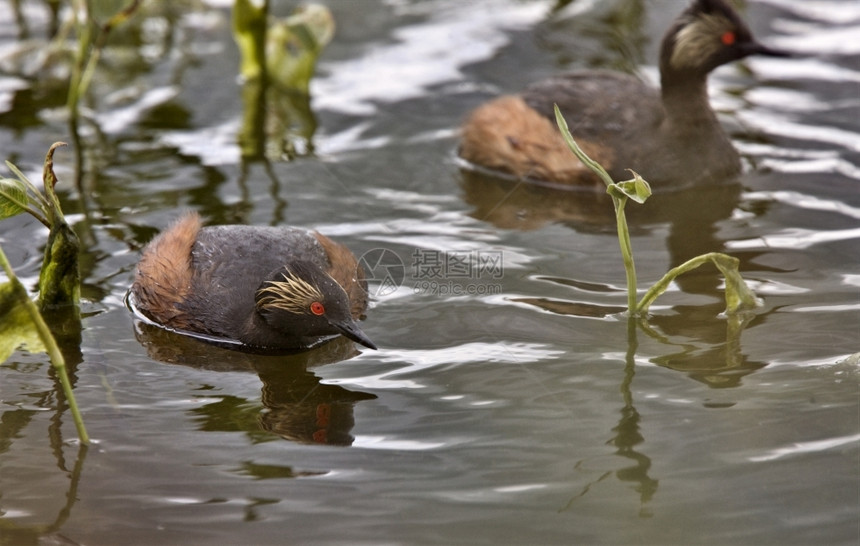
(739,296)
(636,188)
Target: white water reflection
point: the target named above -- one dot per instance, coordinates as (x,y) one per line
(794,238)
(800,448)
(399,444)
(793,70)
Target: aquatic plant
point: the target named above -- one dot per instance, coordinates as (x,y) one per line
(739,296)
(91,40)
(278,57)
(59,279)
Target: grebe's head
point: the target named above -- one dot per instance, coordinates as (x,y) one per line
(708,34)
(301,299)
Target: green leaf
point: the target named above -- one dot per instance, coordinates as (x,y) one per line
(617,192)
(314,25)
(13,198)
(26,184)
(17,330)
(34,197)
(293,45)
(637,188)
(17,172)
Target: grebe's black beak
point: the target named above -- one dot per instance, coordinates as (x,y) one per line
(351,330)
(756,48)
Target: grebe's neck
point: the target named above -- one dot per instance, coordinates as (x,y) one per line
(685,99)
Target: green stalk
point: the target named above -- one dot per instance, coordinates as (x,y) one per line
(590,163)
(54,353)
(90,47)
(79,68)
(619,200)
(249,31)
(91,41)
(626,253)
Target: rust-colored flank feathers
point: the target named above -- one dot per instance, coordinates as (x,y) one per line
(164,273)
(344,269)
(509,136)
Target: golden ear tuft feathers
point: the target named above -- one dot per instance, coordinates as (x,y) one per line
(293,294)
(699,39)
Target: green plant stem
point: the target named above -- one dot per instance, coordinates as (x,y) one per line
(79,69)
(97,45)
(249,31)
(626,253)
(619,204)
(54,353)
(590,163)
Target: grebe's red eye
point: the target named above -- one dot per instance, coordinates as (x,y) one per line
(317,308)
(728,38)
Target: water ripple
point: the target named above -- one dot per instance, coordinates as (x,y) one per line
(421,55)
(424,359)
(824,11)
(778,124)
(804,201)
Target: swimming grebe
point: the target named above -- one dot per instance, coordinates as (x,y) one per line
(269,288)
(670,135)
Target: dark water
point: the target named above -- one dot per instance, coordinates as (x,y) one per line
(509,403)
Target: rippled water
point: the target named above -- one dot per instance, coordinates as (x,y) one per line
(509,403)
